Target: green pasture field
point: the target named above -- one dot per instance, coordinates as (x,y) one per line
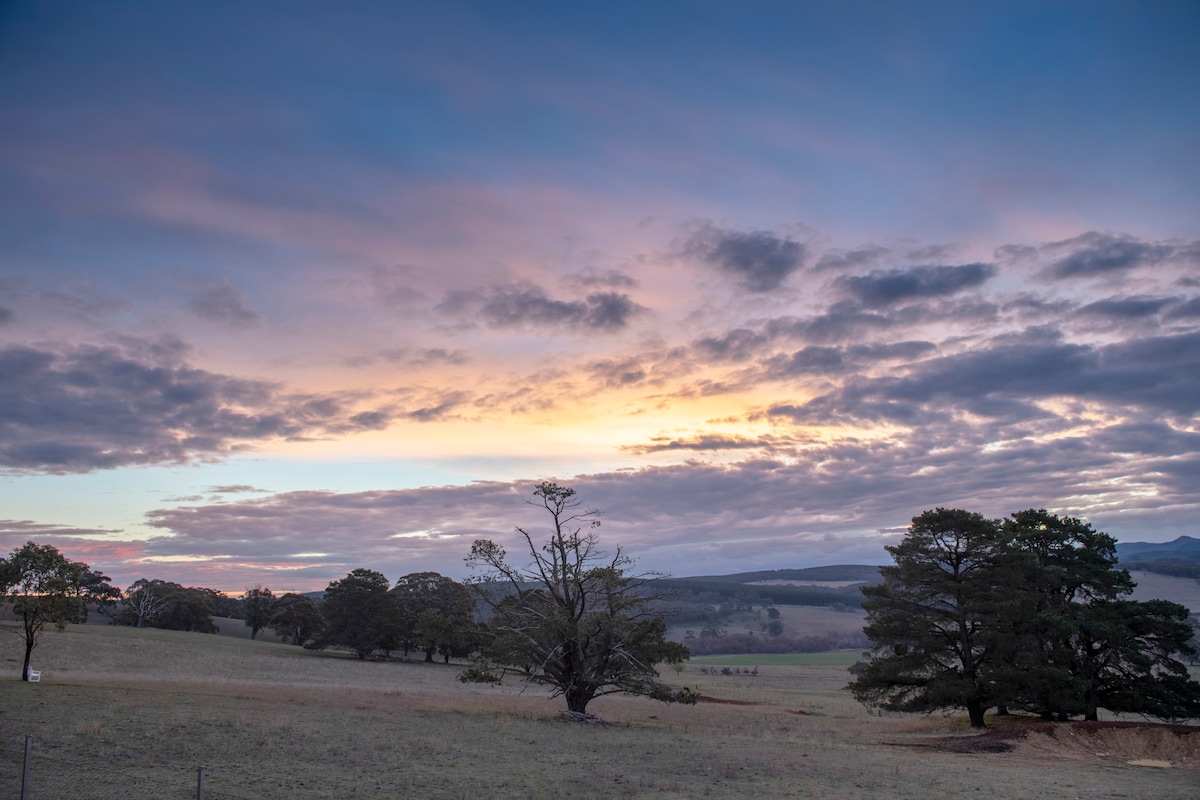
(122,712)
(837,658)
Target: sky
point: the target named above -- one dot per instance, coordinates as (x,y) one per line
(289,289)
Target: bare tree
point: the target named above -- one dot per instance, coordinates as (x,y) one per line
(572,617)
(143,602)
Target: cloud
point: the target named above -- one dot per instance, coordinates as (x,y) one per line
(842,321)
(78,409)
(1126,307)
(412,357)
(760,260)
(1185,310)
(220,302)
(616,373)
(7,315)
(848,260)
(528,306)
(881,288)
(716,442)
(815,502)
(1006,380)
(443,406)
(12,529)
(1096,253)
(811,360)
(608,279)
(392,287)
(737,345)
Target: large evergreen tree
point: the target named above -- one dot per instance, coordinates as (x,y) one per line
(1024,614)
(937,617)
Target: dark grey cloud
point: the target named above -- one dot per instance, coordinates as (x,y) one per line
(7,315)
(1096,253)
(811,360)
(894,351)
(220,302)
(716,442)
(842,321)
(851,260)
(85,408)
(834,361)
(618,372)
(443,406)
(1188,309)
(882,288)
(25,529)
(1126,307)
(1004,381)
(760,260)
(1150,437)
(741,344)
(528,306)
(234,488)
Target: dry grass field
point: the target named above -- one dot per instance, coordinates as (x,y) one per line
(119,705)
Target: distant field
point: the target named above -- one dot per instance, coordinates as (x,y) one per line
(834,659)
(132,713)
(830,584)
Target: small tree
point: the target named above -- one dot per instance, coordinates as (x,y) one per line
(43,586)
(436,613)
(257,604)
(297,619)
(572,615)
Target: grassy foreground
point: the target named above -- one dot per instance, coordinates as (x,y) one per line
(125,712)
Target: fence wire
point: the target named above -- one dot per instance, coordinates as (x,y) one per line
(52,777)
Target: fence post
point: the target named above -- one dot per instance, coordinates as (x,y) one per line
(25,769)
(200,783)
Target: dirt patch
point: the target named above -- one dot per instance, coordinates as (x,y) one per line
(1114,743)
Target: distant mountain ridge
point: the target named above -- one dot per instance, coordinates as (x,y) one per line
(1185,548)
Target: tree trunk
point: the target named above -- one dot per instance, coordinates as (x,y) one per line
(32,627)
(975,712)
(28,656)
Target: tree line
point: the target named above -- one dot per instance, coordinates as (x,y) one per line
(573,618)
(1027,613)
